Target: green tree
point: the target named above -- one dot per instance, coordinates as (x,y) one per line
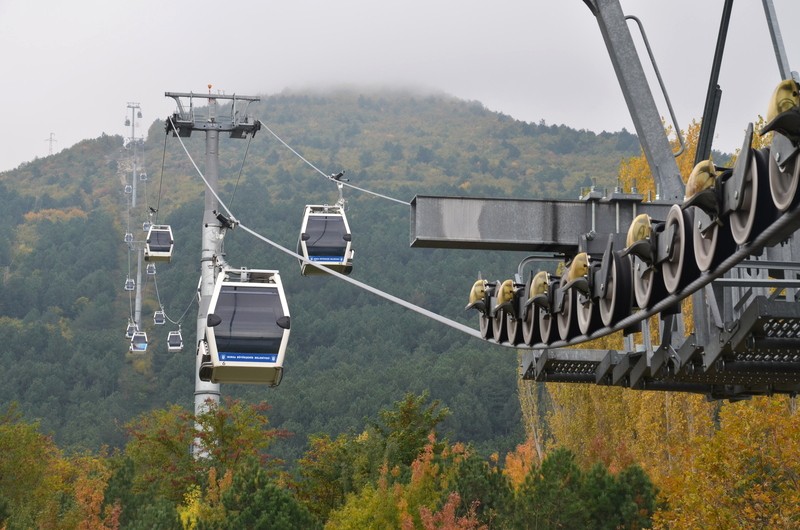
(407,425)
(256,502)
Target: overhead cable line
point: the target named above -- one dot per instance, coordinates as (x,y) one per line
(161,178)
(328,176)
(394,299)
(241,167)
(161,305)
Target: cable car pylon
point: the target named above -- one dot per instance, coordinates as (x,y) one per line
(181,124)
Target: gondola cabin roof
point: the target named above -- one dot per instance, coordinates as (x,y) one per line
(247,328)
(159,243)
(325,238)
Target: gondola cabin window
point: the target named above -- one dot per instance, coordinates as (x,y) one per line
(326,241)
(249,329)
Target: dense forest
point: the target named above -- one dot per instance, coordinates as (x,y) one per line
(64,312)
(384,418)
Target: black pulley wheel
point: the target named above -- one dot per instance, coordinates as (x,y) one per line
(648,284)
(588,314)
(546,326)
(530,326)
(485,324)
(712,247)
(680,267)
(757,210)
(568,318)
(616,304)
(499,331)
(783,184)
(513,329)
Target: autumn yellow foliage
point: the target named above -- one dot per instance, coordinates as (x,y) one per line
(716,465)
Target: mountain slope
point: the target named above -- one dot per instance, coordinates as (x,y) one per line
(63,311)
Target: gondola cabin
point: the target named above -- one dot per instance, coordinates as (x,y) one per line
(146,226)
(159,318)
(325,238)
(128,237)
(139,342)
(151,269)
(130,330)
(130,284)
(247,328)
(174,341)
(128,189)
(159,243)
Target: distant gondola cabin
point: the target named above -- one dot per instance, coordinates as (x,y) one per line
(139,342)
(159,243)
(325,238)
(174,341)
(247,328)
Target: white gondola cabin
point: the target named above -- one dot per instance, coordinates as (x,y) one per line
(128,189)
(247,328)
(159,318)
(139,342)
(146,226)
(130,330)
(151,269)
(159,243)
(325,238)
(174,341)
(128,237)
(130,284)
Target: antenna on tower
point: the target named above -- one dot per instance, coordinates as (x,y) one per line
(52,140)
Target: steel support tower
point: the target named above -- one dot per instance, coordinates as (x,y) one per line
(182,123)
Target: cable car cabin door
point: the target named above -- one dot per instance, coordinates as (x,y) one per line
(325,238)
(248,327)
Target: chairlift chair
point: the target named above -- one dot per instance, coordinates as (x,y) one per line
(325,238)
(159,243)
(130,284)
(174,341)
(139,342)
(159,318)
(247,328)
(151,269)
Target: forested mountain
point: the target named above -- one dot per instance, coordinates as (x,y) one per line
(63,311)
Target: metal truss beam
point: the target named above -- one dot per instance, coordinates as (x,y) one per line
(533,225)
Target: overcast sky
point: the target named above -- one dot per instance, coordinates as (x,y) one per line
(71,67)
